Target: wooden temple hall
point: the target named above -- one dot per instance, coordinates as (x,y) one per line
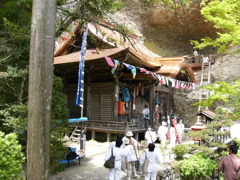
(115,95)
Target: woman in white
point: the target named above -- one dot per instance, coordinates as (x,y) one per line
(119,153)
(154,160)
(162,131)
(150,136)
(129,159)
(133,157)
(180,129)
(172,136)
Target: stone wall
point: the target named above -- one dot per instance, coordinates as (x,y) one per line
(168,171)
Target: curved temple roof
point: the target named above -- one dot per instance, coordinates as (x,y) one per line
(167,66)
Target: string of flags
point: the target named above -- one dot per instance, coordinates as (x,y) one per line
(167,81)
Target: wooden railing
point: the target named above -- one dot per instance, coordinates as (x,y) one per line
(199,59)
(114,125)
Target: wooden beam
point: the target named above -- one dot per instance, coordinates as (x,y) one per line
(152,104)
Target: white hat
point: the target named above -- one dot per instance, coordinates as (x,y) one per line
(126,141)
(164,123)
(129,133)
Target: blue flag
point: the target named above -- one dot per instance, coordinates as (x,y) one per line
(80,89)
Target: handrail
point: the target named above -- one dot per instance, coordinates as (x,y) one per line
(114,124)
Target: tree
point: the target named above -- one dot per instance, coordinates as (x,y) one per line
(225,93)
(40,88)
(225,15)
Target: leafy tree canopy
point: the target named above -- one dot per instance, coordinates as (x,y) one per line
(225,15)
(223,92)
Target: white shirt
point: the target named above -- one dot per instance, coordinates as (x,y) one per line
(162,131)
(135,146)
(119,153)
(154,160)
(180,128)
(205,59)
(150,136)
(195,53)
(132,156)
(145,111)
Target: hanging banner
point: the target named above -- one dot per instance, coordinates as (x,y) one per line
(80,89)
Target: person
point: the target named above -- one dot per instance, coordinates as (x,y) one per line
(162,132)
(127,161)
(146,114)
(119,153)
(195,56)
(154,160)
(205,59)
(172,136)
(150,136)
(113,143)
(135,156)
(145,111)
(180,129)
(230,165)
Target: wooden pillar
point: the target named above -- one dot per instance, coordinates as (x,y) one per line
(152,104)
(108,136)
(87,87)
(93,135)
(116,99)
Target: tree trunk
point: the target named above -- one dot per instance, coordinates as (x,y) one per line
(40,88)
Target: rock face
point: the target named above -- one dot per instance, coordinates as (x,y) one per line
(226,68)
(168,33)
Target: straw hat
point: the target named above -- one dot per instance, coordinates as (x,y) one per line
(129,133)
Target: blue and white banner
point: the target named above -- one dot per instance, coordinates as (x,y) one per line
(80,89)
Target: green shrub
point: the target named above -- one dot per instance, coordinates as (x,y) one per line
(58,151)
(197,166)
(11,157)
(180,150)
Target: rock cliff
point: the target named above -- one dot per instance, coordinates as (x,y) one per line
(168,33)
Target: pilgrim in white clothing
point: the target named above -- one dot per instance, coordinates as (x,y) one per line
(162,131)
(154,160)
(150,136)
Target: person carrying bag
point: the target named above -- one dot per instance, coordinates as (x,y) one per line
(110,163)
(145,164)
(116,153)
(149,162)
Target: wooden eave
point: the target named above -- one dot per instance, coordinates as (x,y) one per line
(172,66)
(91,55)
(206,113)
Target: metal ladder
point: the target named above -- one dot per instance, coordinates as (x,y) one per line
(205,77)
(76,134)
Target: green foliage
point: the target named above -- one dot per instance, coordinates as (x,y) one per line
(181,150)
(60,113)
(57,152)
(197,166)
(226,93)
(225,15)
(167,3)
(84,11)
(203,149)
(236,142)
(11,158)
